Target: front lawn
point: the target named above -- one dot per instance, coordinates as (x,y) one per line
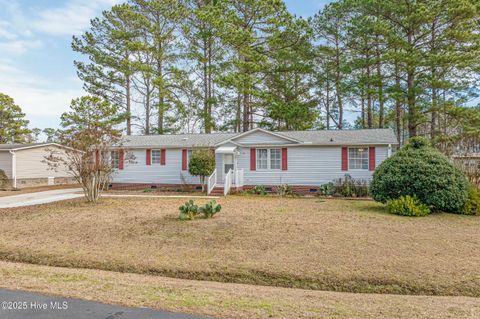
(335,245)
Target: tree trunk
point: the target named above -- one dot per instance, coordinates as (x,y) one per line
(381,110)
(338,88)
(398,104)
(369,97)
(129,105)
(147,109)
(412,112)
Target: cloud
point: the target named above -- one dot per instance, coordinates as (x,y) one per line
(72,18)
(19,46)
(42,100)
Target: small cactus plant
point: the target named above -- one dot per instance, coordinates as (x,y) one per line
(210,209)
(188,211)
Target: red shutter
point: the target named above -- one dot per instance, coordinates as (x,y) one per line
(344,158)
(284,159)
(253,159)
(120,159)
(371,158)
(163,158)
(184,160)
(149,157)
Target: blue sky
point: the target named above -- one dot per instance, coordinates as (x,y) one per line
(36,61)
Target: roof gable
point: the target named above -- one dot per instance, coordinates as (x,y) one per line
(262,137)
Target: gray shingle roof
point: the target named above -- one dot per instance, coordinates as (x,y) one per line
(8,147)
(176,140)
(331,137)
(340,137)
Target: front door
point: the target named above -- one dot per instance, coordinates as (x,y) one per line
(228,164)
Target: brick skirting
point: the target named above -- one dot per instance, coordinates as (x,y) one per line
(300,190)
(297,189)
(136,187)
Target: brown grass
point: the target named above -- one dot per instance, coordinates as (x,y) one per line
(223,300)
(305,243)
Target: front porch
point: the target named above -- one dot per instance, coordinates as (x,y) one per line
(227,175)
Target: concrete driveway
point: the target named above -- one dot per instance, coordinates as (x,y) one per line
(40,197)
(23,305)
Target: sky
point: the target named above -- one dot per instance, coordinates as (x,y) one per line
(36,60)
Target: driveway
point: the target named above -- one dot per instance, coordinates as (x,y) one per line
(38,306)
(39,197)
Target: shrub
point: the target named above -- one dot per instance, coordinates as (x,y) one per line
(407,206)
(188,211)
(210,209)
(472,205)
(4,181)
(202,164)
(285,190)
(419,170)
(350,187)
(257,190)
(327,189)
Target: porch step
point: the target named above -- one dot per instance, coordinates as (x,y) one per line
(217,191)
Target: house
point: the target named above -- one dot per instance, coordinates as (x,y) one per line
(25,165)
(304,160)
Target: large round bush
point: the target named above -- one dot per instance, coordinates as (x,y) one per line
(419,170)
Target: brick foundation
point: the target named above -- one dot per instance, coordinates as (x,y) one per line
(300,190)
(136,187)
(297,189)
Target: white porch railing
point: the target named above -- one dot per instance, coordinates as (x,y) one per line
(212,180)
(228,183)
(239,178)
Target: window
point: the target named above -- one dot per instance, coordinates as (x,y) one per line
(269,158)
(275,158)
(156,156)
(358,158)
(114,156)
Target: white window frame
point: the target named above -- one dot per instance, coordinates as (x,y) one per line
(366,151)
(268,159)
(115,159)
(159,157)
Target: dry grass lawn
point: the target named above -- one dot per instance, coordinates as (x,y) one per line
(304,243)
(223,300)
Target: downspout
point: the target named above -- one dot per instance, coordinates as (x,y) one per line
(14,168)
(389,151)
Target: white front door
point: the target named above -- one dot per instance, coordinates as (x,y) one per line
(228,164)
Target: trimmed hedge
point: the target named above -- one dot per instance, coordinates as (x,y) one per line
(420,171)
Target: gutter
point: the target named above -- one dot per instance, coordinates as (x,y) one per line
(14,168)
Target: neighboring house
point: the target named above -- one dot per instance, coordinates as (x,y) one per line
(25,165)
(304,160)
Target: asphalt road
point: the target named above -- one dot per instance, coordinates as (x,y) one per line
(39,197)
(26,305)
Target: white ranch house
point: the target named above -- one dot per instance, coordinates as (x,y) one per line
(304,160)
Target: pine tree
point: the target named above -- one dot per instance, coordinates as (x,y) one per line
(13,125)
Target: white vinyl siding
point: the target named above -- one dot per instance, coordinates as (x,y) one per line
(6,163)
(31,163)
(136,170)
(357,158)
(307,165)
(259,138)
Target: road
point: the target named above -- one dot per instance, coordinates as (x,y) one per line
(39,197)
(38,306)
